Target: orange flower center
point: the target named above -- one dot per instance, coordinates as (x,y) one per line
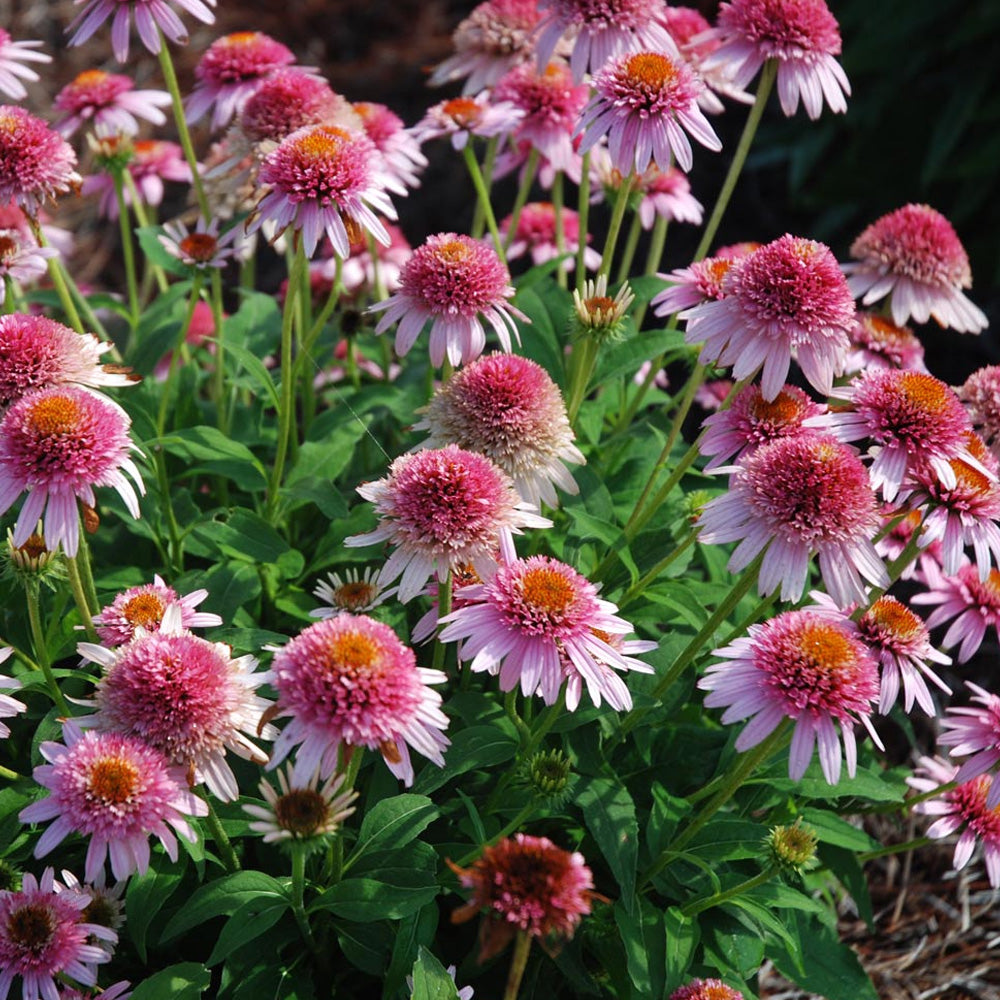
(783,409)
(826,648)
(652,69)
(352,652)
(54,415)
(322,142)
(145,610)
(895,617)
(90,78)
(463,110)
(453,252)
(113,780)
(927,392)
(547,590)
(241,38)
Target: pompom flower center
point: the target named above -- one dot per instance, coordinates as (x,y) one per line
(352,653)
(786,27)
(301,811)
(970,797)
(113,780)
(651,70)
(781,411)
(145,610)
(926,392)
(547,591)
(31,927)
(453,252)
(892,617)
(54,415)
(200,247)
(9,248)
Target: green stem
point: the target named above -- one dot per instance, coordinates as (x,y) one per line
(739,157)
(6,772)
(558,202)
(444,608)
(80,596)
(583,219)
(219,379)
(58,276)
(524,189)
(41,648)
(657,241)
(9,293)
(584,358)
(637,588)
(87,574)
(614,227)
(518,963)
(884,852)
(489,162)
(700,905)
(286,415)
(628,254)
(177,102)
(298,896)
(484,199)
(222,842)
(128,249)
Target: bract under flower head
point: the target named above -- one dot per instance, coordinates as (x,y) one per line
(151,18)
(795,496)
(602,30)
(456,282)
(786,298)
(804,666)
(36,163)
(324,178)
(443,508)
(116,790)
(349,680)
(229,72)
(185,696)
(536,623)
(641,102)
(801,36)
(525,883)
(494,38)
(58,443)
(107,101)
(915,255)
(508,408)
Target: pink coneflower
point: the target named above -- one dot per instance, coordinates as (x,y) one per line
(22,260)
(972,602)
(455,282)
(462,117)
(965,512)
(36,352)
(57,444)
(349,680)
(154,161)
(43,937)
(981,395)
(551,104)
(965,806)
(913,419)
(525,884)
(666,194)
(752,421)
(116,991)
(712,393)
(787,298)
(794,497)
(151,18)
(641,102)
(323,178)
(700,282)
(494,38)
(289,100)
(706,989)
(186,696)
(399,148)
(301,810)
(352,592)
(879,343)
(508,408)
(203,248)
(975,730)
(9,707)
(801,36)
(144,607)
(116,790)
(109,101)
(12,56)
(915,255)
(537,620)
(900,641)
(803,666)
(363,274)
(12,217)
(602,30)
(106,906)
(230,71)
(443,508)
(36,163)
(536,234)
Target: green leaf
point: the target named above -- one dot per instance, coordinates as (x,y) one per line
(627,356)
(730,944)
(831,829)
(393,823)
(156,253)
(366,945)
(549,312)
(609,813)
(245,536)
(186,981)
(870,783)
(846,866)
(431,980)
(413,933)
(254,918)
(477,746)
(146,896)
(230,585)
(682,936)
(645,945)
(259,375)
(223,897)
(211,451)
(729,840)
